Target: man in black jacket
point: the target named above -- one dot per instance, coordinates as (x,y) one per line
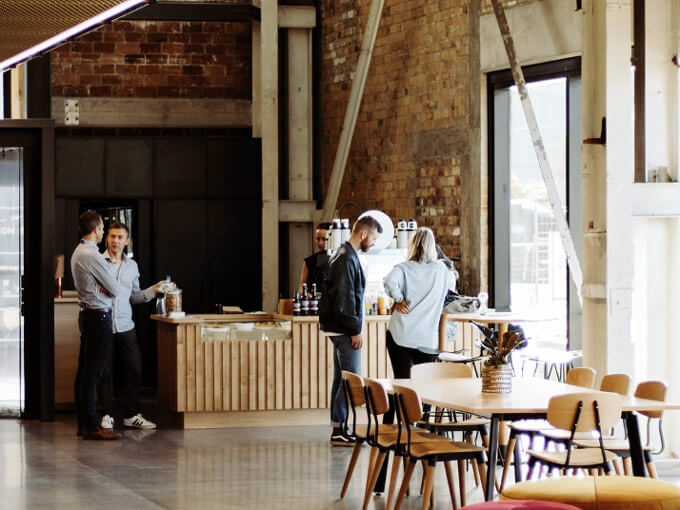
(341,313)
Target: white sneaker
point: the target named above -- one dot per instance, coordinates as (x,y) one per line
(107,422)
(139,422)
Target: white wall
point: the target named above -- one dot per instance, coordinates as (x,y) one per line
(656,305)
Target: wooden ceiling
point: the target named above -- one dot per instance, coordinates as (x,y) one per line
(26,23)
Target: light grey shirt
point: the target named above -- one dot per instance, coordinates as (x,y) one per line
(127,276)
(91,273)
(424,287)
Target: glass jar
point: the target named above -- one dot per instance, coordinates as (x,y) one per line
(173,300)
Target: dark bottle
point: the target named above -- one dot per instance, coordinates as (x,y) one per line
(314,301)
(304,300)
(296,304)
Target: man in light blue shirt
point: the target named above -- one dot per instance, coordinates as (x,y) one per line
(125,353)
(96,287)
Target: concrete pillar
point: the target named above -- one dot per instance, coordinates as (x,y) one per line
(300,145)
(270,153)
(607,177)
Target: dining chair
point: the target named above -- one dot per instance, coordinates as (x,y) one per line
(579,412)
(355,397)
(613,383)
(651,390)
(377,404)
(581,376)
(409,412)
(434,421)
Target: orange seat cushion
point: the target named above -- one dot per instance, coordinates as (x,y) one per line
(600,493)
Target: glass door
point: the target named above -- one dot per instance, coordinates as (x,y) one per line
(12,389)
(530,273)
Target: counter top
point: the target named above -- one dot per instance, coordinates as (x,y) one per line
(249,317)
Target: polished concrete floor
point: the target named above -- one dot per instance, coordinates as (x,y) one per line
(44,465)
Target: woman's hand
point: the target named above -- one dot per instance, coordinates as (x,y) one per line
(401,307)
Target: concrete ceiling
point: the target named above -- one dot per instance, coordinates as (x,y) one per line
(26,23)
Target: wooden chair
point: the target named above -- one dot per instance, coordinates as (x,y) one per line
(355,397)
(652,390)
(434,421)
(613,383)
(409,412)
(584,377)
(579,412)
(381,443)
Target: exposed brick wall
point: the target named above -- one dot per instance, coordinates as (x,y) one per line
(156,59)
(412,136)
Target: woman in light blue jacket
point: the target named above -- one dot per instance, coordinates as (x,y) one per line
(418,287)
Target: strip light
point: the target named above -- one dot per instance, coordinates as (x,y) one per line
(71,32)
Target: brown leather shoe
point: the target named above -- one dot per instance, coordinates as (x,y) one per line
(101,434)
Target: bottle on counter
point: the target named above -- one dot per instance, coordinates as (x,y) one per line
(304,301)
(314,301)
(382,309)
(296,304)
(402,234)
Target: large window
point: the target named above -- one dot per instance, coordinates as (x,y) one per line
(529,270)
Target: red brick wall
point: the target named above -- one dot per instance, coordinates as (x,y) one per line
(412,136)
(156,59)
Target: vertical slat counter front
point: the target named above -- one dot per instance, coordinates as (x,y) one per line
(253,369)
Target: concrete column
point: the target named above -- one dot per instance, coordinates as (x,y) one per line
(300,145)
(607,176)
(270,153)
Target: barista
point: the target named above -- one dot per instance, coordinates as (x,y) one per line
(314,267)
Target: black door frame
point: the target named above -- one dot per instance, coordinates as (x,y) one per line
(37,139)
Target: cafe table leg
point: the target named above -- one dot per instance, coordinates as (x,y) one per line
(636,454)
(517,460)
(493,457)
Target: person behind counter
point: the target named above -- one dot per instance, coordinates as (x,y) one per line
(315,266)
(341,313)
(418,287)
(125,351)
(96,287)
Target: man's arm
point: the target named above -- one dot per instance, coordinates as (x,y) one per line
(99,268)
(138,296)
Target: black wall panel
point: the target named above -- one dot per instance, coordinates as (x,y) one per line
(234,247)
(234,169)
(79,167)
(180,170)
(181,249)
(128,167)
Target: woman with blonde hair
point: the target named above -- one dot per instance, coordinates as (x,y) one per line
(418,287)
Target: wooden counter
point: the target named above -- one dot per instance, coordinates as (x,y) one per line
(213,383)
(66,348)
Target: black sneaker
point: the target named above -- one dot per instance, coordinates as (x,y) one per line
(340,438)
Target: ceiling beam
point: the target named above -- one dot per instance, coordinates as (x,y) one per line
(196,11)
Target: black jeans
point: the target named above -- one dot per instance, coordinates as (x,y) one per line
(96,337)
(402,359)
(125,365)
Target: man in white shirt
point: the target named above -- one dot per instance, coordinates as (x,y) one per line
(125,352)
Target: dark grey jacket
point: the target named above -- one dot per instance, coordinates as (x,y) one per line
(341,307)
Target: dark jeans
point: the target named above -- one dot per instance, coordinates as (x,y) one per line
(402,359)
(124,365)
(96,338)
(345,357)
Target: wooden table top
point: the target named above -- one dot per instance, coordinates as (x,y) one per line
(529,396)
(493,317)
